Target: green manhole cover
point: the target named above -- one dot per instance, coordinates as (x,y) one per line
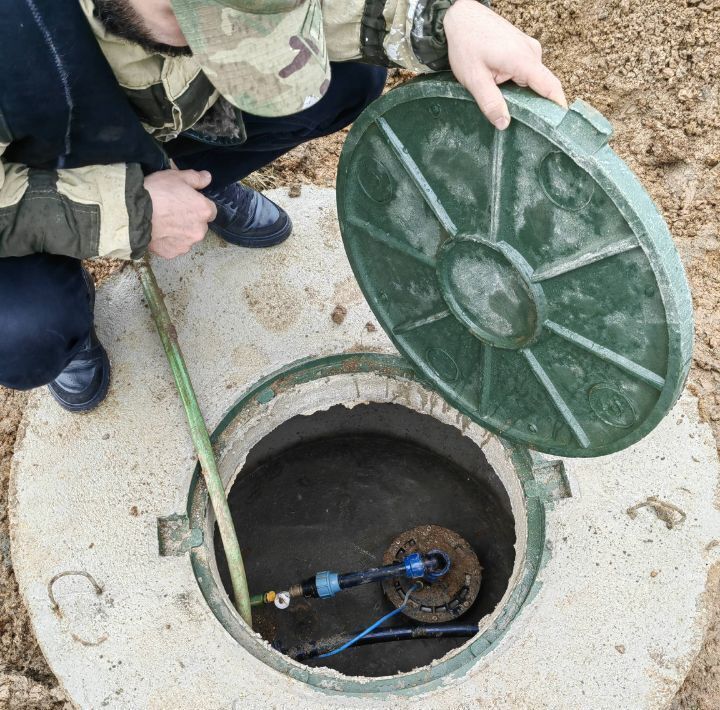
(525,273)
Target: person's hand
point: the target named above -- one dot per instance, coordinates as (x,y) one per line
(180,213)
(485,50)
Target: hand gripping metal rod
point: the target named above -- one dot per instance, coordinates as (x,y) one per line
(200,437)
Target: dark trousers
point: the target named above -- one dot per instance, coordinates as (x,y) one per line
(45,315)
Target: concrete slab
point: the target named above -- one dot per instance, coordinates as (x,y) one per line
(616,622)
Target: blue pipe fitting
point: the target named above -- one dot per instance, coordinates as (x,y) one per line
(440,571)
(414,566)
(327,584)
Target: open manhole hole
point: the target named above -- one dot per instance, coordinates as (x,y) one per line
(337,490)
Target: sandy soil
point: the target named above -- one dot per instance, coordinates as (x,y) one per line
(652,67)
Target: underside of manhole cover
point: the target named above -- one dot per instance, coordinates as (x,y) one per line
(526,273)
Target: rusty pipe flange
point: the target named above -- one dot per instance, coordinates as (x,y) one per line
(450,596)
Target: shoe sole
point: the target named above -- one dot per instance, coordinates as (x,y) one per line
(96,400)
(270,240)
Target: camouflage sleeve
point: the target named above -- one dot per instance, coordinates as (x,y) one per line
(400,33)
(83,213)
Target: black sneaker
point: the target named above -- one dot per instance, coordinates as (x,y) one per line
(84,383)
(247,218)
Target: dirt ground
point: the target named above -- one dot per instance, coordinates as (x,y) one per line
(653,68)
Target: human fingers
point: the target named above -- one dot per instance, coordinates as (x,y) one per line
(481,84)
(197,179)
(542,81)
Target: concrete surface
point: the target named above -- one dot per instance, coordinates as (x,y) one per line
(618,619)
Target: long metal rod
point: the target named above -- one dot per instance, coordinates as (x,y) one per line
(200,437)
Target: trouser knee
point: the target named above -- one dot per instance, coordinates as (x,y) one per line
(45,318)
(353,87)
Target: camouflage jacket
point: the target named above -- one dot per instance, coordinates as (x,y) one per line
(103,209)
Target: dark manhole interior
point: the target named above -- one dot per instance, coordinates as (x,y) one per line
(330,491)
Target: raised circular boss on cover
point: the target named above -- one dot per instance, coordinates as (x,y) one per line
(525,273)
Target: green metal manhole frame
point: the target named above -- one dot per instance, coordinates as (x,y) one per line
(581,133)
(536,499)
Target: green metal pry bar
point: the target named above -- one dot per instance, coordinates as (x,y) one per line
(200,437)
